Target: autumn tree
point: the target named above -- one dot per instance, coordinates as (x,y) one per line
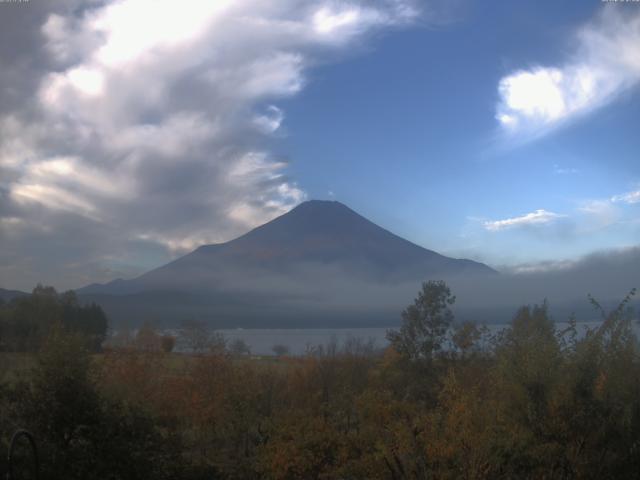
(465,337)
(197,337)
(239,348)
(147,339)
(425,323)
(167,343)
(280,350)
(61,403)
(83,434)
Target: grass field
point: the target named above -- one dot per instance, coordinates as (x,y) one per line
(15,365)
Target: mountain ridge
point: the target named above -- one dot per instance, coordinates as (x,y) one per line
(8,295)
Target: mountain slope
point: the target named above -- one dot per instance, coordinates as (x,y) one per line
(321,264)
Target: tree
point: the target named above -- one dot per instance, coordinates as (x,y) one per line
(196,336)
(239,348)
(217,343)
(280,350)
(465,337)
(83,434)
(425,323)
(167,342)
(61,404)
(147,339)
(123,338)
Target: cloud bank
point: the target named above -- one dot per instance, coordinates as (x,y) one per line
(133,128)
(605,63)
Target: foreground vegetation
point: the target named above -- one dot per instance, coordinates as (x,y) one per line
(531,402)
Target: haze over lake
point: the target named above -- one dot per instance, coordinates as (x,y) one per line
(299,341)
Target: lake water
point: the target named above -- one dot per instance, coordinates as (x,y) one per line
(261,341)
(299,340)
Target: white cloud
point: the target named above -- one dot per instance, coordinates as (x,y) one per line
(600,214)
(173,136)
(183,243)
(536,94)
(86,80)
(270,120)
(564,170)
(326,21)
(606,212)
(130,34)
(605,64)
(537,218)
(629,197)
(52,197)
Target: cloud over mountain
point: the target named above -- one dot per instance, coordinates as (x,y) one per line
(144,126)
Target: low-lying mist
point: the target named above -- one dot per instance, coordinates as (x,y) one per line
(330,295)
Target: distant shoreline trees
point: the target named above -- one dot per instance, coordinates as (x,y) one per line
(27,321)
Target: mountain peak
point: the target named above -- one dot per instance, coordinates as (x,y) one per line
(327,218)
(327,207)
(320,204)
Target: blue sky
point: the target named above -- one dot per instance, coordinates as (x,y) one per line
(406,133)
(504,132)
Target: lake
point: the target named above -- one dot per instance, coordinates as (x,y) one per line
(261,341)
(299,340)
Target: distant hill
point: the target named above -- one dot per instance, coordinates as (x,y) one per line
(319,261)
(8,295)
